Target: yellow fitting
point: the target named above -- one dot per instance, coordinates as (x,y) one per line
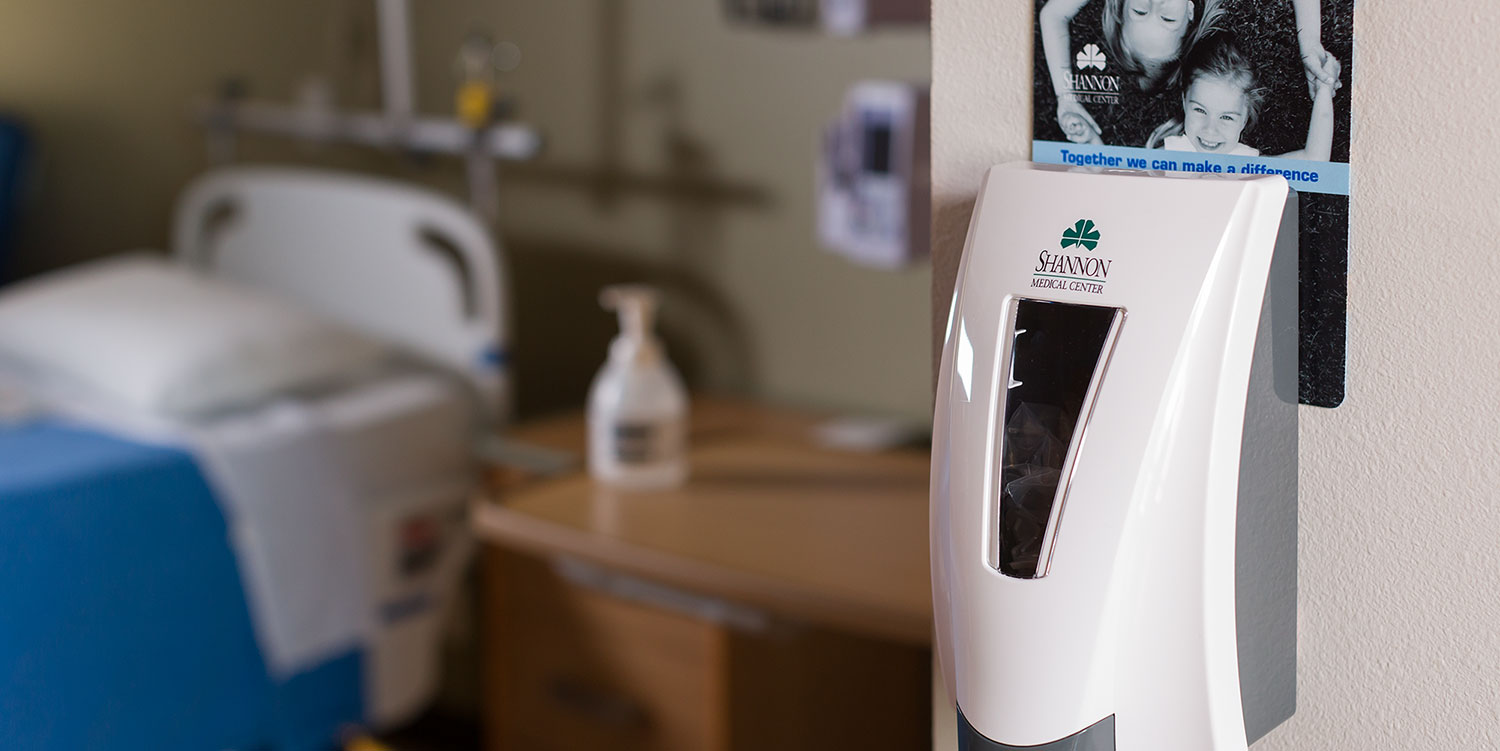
(475,103)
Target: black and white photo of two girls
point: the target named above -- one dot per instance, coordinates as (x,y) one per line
(1226,82)
(1238,77)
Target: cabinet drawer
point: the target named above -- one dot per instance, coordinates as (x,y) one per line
(571,668)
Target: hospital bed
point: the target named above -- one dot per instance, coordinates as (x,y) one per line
(204,565)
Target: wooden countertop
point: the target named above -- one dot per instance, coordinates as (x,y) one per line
(768,519)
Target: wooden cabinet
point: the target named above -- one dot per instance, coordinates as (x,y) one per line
(778,601)
(570,667)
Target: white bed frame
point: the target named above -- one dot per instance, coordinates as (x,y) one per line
(399,263)
(406,266)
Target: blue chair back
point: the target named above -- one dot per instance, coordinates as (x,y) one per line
(15,151)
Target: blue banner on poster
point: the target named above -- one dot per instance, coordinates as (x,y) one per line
(1304,175)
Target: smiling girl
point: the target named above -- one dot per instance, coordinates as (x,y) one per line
(1145,39)
(1223,99)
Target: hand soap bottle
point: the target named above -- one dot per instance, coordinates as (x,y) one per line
(638,408)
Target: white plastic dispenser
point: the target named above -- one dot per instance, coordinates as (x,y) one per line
(638,408)
(1114,478)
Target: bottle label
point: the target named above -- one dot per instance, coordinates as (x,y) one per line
(638,443)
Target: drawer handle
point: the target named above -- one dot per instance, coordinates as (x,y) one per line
(598,705)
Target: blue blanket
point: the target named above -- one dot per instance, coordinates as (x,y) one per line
(123,624)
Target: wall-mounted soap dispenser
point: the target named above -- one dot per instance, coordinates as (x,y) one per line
(1114,479)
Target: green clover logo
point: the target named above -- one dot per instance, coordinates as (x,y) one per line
(1082,234)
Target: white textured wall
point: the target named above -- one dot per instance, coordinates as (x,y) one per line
(1400,560)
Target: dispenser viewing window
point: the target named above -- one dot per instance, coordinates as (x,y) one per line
(1058,353)
(1114,466)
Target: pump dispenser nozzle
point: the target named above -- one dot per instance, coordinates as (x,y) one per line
(637,405)
(636,306)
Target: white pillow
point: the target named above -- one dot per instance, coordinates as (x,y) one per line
(163,339)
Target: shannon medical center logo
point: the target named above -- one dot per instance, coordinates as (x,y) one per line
(1076,269)
(1089,84)
(1091,57)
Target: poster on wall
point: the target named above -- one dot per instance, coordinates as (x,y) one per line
(1217,86)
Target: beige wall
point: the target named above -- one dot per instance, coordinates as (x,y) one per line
(679,153)
(107,85)
(1400,562)
(651,116)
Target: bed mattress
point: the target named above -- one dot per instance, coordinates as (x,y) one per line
(339,513)
(125,626)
